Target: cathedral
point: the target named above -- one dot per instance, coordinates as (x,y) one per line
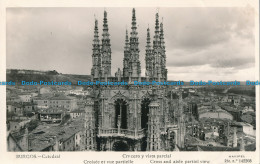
(132,117)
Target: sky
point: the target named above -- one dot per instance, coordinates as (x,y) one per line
(201,43)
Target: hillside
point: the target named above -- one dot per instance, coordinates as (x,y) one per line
(31,75)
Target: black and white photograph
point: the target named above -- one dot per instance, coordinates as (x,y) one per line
(134,79)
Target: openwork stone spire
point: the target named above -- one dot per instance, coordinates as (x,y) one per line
(163,59)
(126,56)
(162,37)
(148,56)
(148,40)
(96,60)
(126,41)
(135,67)
(156,42)
(106,49)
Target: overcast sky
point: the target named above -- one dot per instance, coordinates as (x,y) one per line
(201,43)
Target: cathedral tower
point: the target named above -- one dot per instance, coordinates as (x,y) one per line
(131,118)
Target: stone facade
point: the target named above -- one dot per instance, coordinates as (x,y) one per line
(132,117)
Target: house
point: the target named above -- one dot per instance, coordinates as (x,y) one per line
(12,144)
(245,128)
(52,115)
(247,109)
(13,98)
(25,97)
(77,113)
(56,101)
(18,140)
(210,135)
(45,90)
(15,125)
(15,108)
(59,138)
(29,106)
(218,114)
(236,102)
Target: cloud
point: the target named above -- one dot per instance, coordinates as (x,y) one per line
(196,38)
(232,53)
(206,72)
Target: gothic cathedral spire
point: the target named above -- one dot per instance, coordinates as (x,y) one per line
(148,56)
(126,56)
(163,57)
(162,43)
(155,57)
(157,73)
(105,50)
(135,67)
(156,42)
(96,61)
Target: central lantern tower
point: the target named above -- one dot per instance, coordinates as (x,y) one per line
(132,117)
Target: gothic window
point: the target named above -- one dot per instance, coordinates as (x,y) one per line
(144,113)
(121,109)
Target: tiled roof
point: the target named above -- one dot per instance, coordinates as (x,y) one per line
(78,111)
(14,139)
(15,104)
(53,110)
(55,97)
(217,148)
(43,138)
(251,147)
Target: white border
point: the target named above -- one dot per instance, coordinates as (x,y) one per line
(78,157)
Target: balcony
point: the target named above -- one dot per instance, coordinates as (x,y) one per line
(113,132)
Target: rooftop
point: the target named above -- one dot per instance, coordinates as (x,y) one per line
(15,104)
(78,111)
(44,137)
(52,110)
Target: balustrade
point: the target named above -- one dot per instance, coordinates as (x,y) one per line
(122,133)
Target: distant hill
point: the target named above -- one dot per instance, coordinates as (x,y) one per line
(17,76)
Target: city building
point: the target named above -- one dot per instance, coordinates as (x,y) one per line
(52,115)
(25,97)
(45,138)
(245,128)
(57,101)
(15,108)
(45,90)
(213,111)
(218,114)
(77,113)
